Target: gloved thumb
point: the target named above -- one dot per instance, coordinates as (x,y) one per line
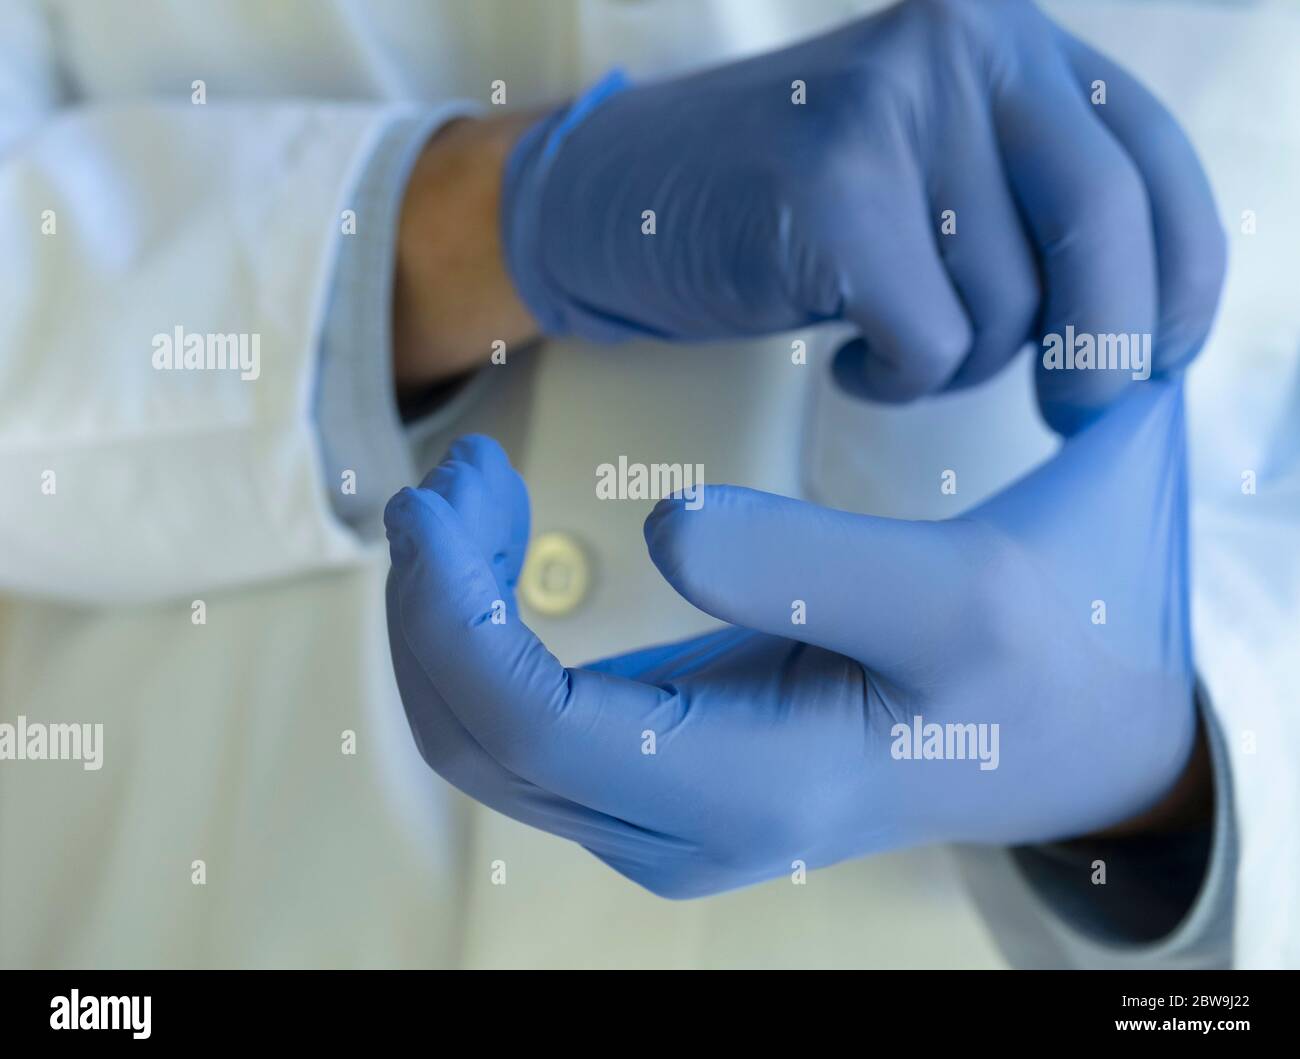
(875,589)
(453,543)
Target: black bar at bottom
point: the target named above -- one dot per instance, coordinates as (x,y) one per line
(439,1009)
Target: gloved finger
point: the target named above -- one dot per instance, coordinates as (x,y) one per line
(457,757)
(1191,250)
(891,282)
(1087,212)
(984,246)
(870,588)
(573,732)
(1128,471)
(645,664)
(684,875)
(477,479)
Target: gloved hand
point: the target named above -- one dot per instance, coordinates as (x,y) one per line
(771,214)
(775,742)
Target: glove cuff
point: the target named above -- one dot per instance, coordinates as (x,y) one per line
(524,186)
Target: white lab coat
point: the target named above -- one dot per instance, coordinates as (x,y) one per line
(223,740)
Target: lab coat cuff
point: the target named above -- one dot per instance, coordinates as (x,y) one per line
(366,447)
(1047,906)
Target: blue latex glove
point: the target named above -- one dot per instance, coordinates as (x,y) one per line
(775,742)
(772,215)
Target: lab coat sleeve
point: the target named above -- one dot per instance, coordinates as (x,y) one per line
(124,222)
(1160,904)
(367,445)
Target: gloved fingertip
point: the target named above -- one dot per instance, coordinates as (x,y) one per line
(476,449)
(683,538)
(664,509)
(654,527)
(398,511)
(401,546)
(665,519)
(848,368)
(442,478)
(1068,419)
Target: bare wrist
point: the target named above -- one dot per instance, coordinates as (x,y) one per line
(453,295)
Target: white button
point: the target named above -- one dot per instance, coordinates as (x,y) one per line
(556,575)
